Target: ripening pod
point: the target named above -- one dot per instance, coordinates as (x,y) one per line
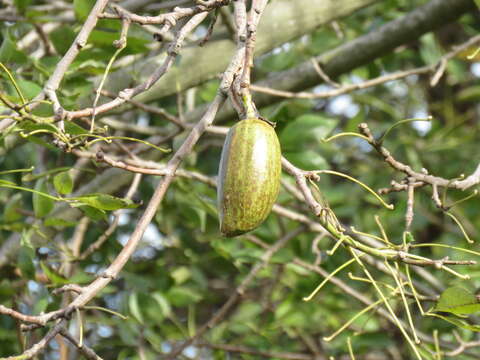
(249,176)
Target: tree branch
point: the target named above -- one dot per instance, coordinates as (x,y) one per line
(302,17)
(358,52)
(464,184)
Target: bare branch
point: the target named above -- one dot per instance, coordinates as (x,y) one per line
(410,201)
(39,346)
(80,41)
(22,317)
(438,68)
(464,184)
(82,348)
(127,94)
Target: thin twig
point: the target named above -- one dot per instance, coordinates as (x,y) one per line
(149,108)
(438,68)
(53,82)
(127,94)
(89,354)
(423,177)
(410,202)
(39,346)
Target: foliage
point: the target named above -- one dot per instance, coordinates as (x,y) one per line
(59,196)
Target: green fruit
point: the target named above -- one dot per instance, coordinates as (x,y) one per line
(249,176)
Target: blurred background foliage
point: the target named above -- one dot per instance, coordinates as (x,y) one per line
(184,270)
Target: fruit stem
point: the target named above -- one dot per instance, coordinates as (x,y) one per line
(250,110)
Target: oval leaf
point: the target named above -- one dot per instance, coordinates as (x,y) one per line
(10,213)
(63,182)
(106,202)
(310,128)
(134,307)
(458,300)
(42,205)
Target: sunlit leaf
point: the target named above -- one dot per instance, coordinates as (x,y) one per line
(82,8)
(458,300)
(105,202)
(163,303)
(134,307)
(307,160)
(58,222)
(63,182)
(29,88)
(9,52)
(93,213)
(182,296)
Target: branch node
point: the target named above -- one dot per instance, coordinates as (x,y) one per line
(107,274)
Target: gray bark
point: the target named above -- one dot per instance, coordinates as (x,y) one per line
(357,52)
(283,21)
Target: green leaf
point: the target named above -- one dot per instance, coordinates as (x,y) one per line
(105,202)
(9,52)
(25,256)
(458,300)
(29,126)
(430,51)
(181,274)
(409,237)
(91,212)
(207,91)
(278,62)
(80,277)
(41,304)
(61,38)
(458,322)
(29,89)
(10,213)
(307,160)
(22,5)
(54,277)
(74,129)
(298,269)
(63,182)
(183,296)
(471,93)
(32,177)
(163,303)
(57,222)
(304,130)
(25,241)
(247,311)
(134,307)
(39,141)
(42,205)
(82,8)
(93,67)
(12,185)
